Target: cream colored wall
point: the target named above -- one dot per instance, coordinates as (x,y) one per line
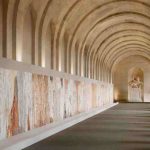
(48,49)
(120,79)
(27,38)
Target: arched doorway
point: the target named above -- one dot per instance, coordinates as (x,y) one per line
(135,85)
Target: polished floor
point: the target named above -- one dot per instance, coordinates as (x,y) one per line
(123,127)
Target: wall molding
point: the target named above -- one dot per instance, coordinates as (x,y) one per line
(26,139)
(23,67)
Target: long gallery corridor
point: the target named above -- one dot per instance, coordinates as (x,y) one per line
(123,127)
(75,74)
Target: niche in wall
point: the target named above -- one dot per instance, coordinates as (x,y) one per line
(135,85)
(28,38)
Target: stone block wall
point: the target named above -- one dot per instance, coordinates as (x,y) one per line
(30,100)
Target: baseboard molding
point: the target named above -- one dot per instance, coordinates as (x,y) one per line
(24,140)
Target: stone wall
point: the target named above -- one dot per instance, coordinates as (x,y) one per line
(30,100)
(121,77)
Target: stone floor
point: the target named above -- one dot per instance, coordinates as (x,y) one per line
(123,127)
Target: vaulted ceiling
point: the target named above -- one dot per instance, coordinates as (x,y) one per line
(86,37)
